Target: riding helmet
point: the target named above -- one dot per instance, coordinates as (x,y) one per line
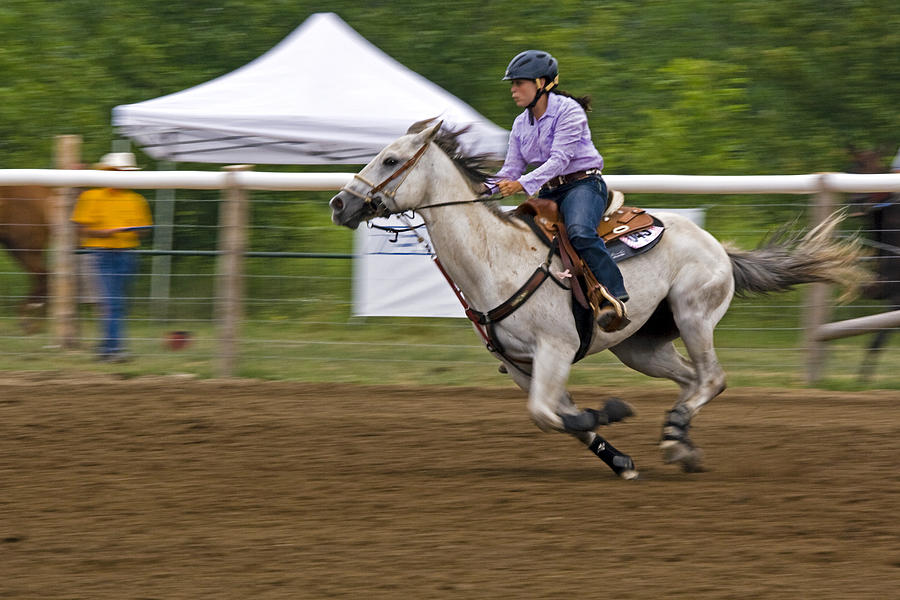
(532,64)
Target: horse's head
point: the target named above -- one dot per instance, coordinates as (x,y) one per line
(387,185)
(867,161)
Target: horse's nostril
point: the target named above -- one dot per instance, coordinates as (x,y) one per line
(336,204)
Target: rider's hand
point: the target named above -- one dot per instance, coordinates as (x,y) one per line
(508,188)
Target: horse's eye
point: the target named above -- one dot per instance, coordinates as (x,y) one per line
(390,161)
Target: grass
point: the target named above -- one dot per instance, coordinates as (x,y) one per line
(758,344)
(300,328)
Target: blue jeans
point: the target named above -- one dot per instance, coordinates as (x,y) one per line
(581,204)
(114,269)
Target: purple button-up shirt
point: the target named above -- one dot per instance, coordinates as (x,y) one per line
(558,143)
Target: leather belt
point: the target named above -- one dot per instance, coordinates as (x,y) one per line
(568,178)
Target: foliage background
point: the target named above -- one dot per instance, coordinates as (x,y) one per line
(683,86)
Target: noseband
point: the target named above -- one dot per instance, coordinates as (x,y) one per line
(373,200)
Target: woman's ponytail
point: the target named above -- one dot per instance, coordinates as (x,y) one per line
(584,101)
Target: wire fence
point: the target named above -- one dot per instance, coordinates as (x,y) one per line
(298,320)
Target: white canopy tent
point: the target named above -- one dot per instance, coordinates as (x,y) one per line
(323,95)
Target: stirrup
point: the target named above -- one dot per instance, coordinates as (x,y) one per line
(611,315)
(611,319)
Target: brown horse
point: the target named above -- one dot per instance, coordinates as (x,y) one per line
(25,232)
(881,212)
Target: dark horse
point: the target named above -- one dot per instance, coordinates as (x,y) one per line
(881,212)
(25,232)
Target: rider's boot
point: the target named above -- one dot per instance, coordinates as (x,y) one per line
(612,315)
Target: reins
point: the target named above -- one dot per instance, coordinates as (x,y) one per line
(398,230)
(484,322)
(477,200)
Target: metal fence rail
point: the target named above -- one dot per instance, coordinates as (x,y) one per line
(235,184)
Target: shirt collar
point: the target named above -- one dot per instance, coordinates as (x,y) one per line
(553,103)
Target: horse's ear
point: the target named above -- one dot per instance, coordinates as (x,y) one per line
(420,126)
(427,134)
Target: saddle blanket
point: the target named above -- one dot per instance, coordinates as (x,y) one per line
(627,231)
(637,242)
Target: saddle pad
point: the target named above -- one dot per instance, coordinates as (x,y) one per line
(636,242)
(627,232)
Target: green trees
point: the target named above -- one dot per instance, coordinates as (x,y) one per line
(692,86)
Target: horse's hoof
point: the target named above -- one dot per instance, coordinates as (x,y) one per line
(689,457)
(617,409)
(629,475)
(693,464)
(623,466)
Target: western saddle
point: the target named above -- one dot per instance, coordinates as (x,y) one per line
(618,220)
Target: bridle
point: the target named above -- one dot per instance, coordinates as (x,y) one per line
(373,199)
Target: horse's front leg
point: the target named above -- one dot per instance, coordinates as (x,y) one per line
(548,400)
(619,462)
(552,409)
(34,306)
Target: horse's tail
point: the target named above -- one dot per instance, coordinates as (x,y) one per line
(787,259)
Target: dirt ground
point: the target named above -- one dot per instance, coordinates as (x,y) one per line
(175,488)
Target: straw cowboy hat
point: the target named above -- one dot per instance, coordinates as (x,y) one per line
(117,161)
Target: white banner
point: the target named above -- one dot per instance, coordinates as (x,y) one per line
(395,276)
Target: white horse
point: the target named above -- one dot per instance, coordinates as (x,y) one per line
(681,288)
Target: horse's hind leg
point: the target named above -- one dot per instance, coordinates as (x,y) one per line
(867,368)
(657,357)
(696,316)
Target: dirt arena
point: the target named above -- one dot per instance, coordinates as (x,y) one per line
(170,488)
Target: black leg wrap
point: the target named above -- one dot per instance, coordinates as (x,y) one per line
(614,410)
(587,420)
(616,461)
(678,422)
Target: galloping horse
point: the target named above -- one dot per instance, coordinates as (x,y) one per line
(882,214)
(681,288)
(25,232)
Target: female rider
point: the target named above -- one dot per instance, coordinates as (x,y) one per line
(552,134)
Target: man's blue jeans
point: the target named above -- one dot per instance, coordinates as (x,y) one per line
(581,204)
(115,269)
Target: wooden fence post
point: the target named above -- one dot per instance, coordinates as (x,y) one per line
(233,221)
(818,304)
(63,306)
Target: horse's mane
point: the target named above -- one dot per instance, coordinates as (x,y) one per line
(475,168)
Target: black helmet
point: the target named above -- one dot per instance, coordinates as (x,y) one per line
(532,64)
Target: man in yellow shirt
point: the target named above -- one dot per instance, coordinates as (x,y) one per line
(110,222)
